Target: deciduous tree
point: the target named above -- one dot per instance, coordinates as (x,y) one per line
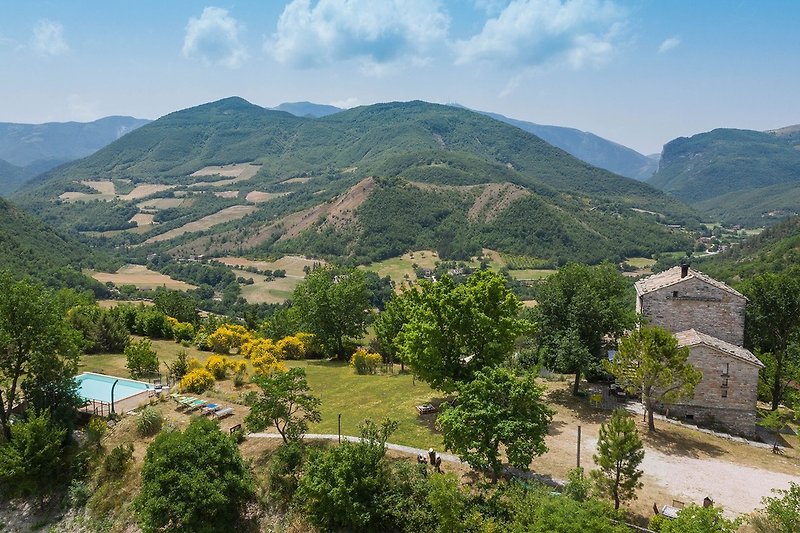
(141,358)
(335,305)
(781,513)
(619,454)
(35,341)
(578,308)
(193,480)
(455,330)
(285,402)
(497,408)
(29,461)
(649,360)
(772,324)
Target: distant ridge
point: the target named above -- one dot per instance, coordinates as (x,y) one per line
(35,148)
(736,176)
(307,109)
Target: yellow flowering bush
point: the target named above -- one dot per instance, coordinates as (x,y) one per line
(291,347)
(228,337)
(239,367)
(218,366)
(193,364)
(365,362)
(198,380)
(257,347)
(266,365)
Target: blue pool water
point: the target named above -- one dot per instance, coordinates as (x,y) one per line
(93,386)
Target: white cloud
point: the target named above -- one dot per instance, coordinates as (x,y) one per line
(376,33)
(490,7)
(48,38)
(539,33)
(669,44)
(214,39)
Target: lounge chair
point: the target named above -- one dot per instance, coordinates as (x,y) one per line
(223,412)
(211,407)
(195,404)
(186,400)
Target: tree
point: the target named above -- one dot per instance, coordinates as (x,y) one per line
(335,305)
(193,480)
(341,487)
(141,358)
(649,360)
(35,341)
(619,454)
(774,422)
(177,304)
(285,402)
(452,330)
(388,326)
(496,408)
(772,324)
(696,519)
(781,513)
(33,455)
(584,304)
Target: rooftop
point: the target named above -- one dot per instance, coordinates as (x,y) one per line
(693,337)
(673,276)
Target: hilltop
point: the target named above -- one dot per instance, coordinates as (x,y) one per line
(735,176)
(365,183)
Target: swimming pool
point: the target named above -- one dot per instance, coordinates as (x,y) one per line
(97,387)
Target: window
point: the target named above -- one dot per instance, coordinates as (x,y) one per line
(689,417)
(674,294)
(726,370)
(724,392)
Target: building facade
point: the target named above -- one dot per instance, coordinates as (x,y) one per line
(706,316)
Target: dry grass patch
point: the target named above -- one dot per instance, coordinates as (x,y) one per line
(105,187)
(237,172)
(161,203)
(296,180)
(234,212)
(144,190)
(227,194)
(258,197)
(140,276)
(143,219)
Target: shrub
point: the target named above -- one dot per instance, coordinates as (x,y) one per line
(283,472)
(239,379)
(578,486)
(141,357)
(181,366)
(95,430)
(218,366)
(79,492)
(198,380)
(29,461)
(291,347)
(257,347)
(116,463)
(149,422)
(228,337)
(193,364)
(267,365)
(183,331)
(152,323)
(365,362)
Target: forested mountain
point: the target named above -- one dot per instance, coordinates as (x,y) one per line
(30,248)
(31,149)
(590,148)
(365,183)
(735,176)
(776,249)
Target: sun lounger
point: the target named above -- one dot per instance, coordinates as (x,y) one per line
(211,407)
(195,404)
(186,400)
(223,412)
(426,409)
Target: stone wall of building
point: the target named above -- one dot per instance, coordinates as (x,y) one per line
(725,397)
(695,304)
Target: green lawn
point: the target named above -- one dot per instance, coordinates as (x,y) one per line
(640,262)
(377,396)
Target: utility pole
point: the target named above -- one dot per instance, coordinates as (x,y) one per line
(579,447)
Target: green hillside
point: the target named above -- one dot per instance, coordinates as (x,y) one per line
(776,249)
(30,248)
(736,176)
(302,165)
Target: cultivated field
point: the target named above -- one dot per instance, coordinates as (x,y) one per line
(144,190)
(143,219)
(237,172)
(258,197)
(162,203)
(277,290)
(140,276)
(234,212)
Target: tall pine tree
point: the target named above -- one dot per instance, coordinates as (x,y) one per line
(619,454)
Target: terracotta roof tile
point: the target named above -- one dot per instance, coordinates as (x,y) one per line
(692,337)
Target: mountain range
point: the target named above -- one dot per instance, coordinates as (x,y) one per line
(27,150)
(366,183)
(735,176)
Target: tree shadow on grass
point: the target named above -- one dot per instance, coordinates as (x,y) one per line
(555,427)
(684,444)
(579,405)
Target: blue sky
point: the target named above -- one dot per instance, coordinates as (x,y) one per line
(637,72)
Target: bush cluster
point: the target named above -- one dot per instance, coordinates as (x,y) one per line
(365,362)
(198,380)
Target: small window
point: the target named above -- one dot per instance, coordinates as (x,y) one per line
(689,417)
(726,370)
(674,294)
(724,392)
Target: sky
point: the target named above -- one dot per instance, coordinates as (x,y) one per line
(639,73)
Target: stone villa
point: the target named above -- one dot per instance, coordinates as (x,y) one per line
(707,316)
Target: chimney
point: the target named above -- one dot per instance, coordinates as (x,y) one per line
(684,270)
